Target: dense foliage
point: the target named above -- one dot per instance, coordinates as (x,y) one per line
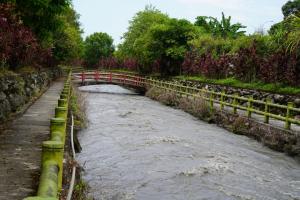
(68,43)
(97,46)
(213,48)
(44,33)
(136,34)
(155,39)
(291,8)
(38,33)
(18,44)
(41,16)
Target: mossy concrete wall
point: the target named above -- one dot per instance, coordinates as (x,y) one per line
(16,90)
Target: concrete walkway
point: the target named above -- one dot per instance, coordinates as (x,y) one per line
(20,147)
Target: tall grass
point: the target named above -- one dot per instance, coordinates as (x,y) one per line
(198,107)
(78,108)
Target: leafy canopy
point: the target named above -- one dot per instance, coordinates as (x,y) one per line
(97,46)
(54,24)
(291,8)
(41,16)
(139,26)
(68,43)
(167,43)
(154,37)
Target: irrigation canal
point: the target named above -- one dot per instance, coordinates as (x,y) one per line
(137,149)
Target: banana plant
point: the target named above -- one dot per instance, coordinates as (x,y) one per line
(223,28)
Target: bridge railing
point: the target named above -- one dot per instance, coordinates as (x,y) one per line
(265,108)
(109,77)
(50,183)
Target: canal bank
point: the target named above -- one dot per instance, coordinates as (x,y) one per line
(135,148)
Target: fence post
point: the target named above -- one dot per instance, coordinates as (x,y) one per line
(96,76)
(58,128)
(288,116)
(267,108)
(202,93)
(211,101)
(181,90)
(62,103)
(162,85)
(53,151)
(250,105)
(82,77)
(235,103)
(222,100)
(61,112)
(63,95)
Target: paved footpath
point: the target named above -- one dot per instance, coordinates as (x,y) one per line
(20,147)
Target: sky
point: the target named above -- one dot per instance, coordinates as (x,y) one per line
(113,16)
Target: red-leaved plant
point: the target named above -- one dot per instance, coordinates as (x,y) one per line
(18,44)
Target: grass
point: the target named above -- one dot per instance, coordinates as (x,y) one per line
(267,87)
(195,106)
(77,103)
(26,69)
(6,72)
(81,191)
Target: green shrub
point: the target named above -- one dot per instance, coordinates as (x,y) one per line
(77,104)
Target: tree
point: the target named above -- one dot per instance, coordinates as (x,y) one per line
(55,26)
(166,43)
(18,44)
(153,38)
(291,8)
(222,28)
(41,16)
(97,46)
(139,26)
(68,43)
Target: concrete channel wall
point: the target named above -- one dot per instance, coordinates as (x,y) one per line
(50,184)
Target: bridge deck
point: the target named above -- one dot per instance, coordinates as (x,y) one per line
(20,147)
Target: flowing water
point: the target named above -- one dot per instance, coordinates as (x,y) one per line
(136,148)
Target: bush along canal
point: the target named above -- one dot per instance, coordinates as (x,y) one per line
(137,148)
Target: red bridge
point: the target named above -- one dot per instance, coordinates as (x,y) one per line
(95,77)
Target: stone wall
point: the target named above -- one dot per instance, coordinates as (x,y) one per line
(16,90)
(259,95)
